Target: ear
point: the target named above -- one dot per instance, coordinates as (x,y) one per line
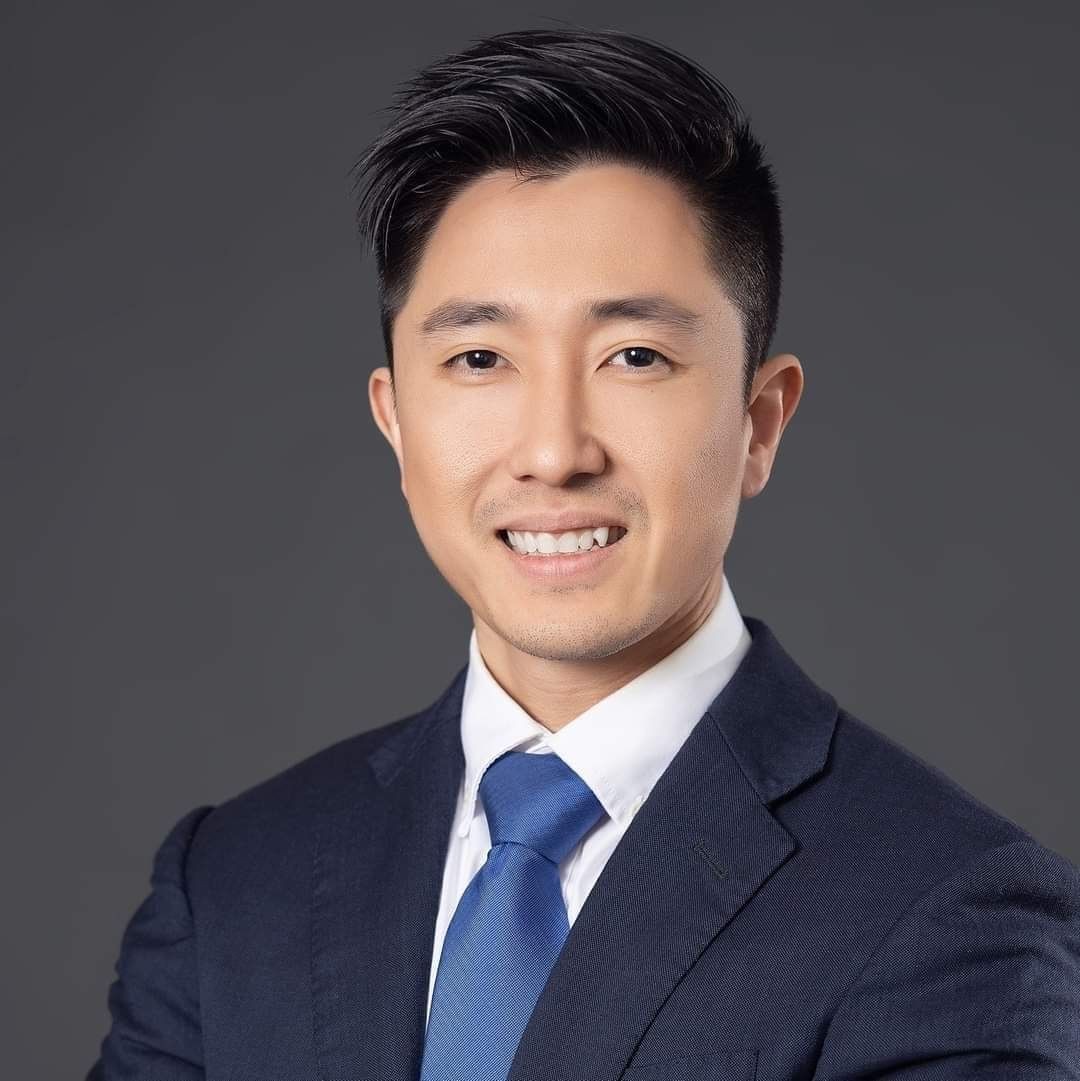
(383,400)
(774,397)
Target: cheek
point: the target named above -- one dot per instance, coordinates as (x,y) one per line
(454,431)
(689,445)
(444,467)
(710,482)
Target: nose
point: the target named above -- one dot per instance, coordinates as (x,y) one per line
(555,439)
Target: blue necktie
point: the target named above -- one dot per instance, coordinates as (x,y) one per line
(511,922)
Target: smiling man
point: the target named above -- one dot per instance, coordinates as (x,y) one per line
(632,838)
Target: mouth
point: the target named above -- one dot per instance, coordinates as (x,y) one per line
(571,542)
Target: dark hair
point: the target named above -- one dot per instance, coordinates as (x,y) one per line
(544,101)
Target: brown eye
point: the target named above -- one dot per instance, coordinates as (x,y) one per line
(641,358)
(473,356)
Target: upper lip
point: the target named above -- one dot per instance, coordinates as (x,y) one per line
(562,522)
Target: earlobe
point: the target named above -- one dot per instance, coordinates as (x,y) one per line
(756,471)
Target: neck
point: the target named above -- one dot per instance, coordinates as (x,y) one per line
(554,692)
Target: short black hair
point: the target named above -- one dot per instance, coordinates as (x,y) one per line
(544,101)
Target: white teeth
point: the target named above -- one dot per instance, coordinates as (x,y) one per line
(568,542)
(575,540)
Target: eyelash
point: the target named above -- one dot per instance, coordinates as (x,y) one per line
(474,372)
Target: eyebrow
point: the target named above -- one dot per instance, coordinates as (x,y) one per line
(643,308)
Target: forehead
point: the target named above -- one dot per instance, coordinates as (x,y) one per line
(544,245)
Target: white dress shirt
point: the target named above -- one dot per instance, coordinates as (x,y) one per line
(619,746)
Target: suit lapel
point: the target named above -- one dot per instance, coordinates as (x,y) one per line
(697,851)
(375,895)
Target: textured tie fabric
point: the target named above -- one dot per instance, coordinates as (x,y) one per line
(511,922)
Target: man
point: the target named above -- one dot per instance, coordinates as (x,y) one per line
(632,838)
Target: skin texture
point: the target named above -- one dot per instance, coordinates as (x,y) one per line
(558,416)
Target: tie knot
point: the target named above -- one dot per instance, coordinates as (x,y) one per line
(537,800)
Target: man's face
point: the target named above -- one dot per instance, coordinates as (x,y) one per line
(631,420)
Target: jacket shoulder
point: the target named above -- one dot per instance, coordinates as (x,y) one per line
(276,817)
(889,796)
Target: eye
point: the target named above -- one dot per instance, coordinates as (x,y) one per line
(480,355)
(635,353)
(487,358)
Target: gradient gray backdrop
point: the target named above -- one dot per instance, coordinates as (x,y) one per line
(215,573)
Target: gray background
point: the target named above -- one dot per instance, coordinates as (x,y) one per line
(215,573)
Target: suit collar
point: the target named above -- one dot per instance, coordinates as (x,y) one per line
(409,741)
(777,722)
(700,847)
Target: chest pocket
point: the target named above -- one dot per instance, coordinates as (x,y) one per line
(740,1065)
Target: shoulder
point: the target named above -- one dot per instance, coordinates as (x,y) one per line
(887,805)
(275,820)
(963,932)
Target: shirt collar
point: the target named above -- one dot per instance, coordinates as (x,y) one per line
(622,744)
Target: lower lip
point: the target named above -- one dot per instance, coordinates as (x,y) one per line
(567,565)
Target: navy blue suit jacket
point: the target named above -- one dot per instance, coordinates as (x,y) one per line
(799,897)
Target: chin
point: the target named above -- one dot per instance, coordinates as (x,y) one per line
(584,639)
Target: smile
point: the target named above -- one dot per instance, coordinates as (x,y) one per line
(545,545)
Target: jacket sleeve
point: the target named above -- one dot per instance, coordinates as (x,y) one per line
(979,978)
(154,1002)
